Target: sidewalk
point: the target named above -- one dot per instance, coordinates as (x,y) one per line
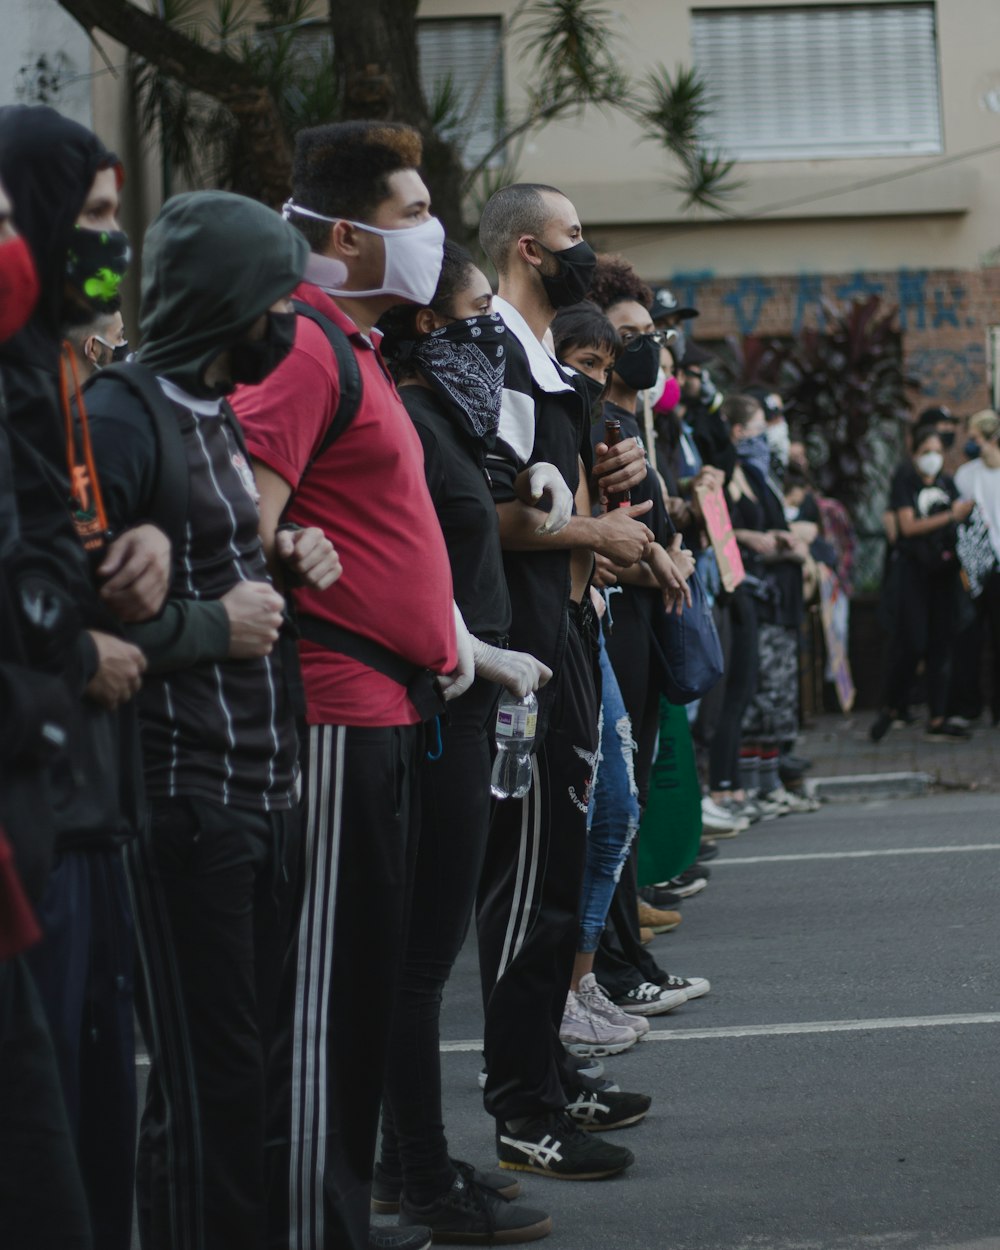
(839,746)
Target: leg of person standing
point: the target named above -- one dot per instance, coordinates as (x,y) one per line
(43,1205)
(212,891)
(361,827)
(454,820)
(529,900)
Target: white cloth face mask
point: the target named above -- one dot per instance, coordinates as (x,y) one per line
(413,257)
(930,463)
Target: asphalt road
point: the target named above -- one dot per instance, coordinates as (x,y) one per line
(839,1088)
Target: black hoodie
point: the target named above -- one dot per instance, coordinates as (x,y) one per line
(47,165)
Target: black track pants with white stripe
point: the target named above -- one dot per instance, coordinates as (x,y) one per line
(213,894)
(361,802)
(529,901)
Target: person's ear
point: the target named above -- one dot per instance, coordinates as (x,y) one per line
(530,251)
(91,349)
(344,239)
(426,321)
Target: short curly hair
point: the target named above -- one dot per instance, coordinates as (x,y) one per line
(615,281)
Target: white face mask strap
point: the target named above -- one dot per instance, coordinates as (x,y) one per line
(290,209)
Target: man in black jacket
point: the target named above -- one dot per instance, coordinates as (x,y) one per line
(64,186)
(42,1201)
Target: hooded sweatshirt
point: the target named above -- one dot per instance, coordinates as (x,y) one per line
(47,165)
(213,263)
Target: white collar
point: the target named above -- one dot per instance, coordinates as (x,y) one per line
(203,407)
(544,370)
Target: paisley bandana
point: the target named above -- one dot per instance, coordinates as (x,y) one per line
(464,362)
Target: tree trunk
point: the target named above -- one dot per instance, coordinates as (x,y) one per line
(215,74)
(375,50)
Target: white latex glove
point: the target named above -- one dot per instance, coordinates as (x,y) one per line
(462,675)
(520,672)
(545,479)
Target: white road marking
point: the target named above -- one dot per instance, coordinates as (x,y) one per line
(760,1030)
(785,1030)
(722,861)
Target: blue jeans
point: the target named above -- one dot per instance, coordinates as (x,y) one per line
(613,815)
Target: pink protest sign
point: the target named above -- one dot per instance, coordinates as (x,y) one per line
(721,536)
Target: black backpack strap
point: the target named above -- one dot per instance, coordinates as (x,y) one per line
(347,368)
(419,683)
(168,504)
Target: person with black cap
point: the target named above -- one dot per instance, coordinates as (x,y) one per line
(213,871)
(64,184)
(666,309)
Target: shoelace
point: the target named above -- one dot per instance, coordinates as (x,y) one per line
(646,993)
(473,1197)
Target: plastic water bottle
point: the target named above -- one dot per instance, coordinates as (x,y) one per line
(515,734)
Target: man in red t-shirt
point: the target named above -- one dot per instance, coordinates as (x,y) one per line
(364,210)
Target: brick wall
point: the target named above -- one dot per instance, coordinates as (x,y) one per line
(943,316)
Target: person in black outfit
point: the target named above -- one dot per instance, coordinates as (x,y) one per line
(448,359)
(64,185)
(213,871)
(927,509)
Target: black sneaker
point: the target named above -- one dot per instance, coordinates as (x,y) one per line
(596,1113)
(690,883)
(553,1145)
(660,897)
(707,850)
(387,1188)
(382,1238)
(471,1215)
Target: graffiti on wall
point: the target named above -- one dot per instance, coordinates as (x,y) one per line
(926,304)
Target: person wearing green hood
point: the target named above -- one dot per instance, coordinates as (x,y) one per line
(212,870)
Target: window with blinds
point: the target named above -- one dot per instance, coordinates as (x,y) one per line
(461,63)
(823,81)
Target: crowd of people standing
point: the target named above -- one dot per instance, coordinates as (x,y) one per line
(264,582)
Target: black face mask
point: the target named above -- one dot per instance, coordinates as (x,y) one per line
(96,263)
(464,362)
(639,363)
(250,363)
(576,272)
(948,439)
(596,394)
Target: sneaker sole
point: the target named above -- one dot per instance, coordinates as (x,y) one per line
(689,891)
(664,928)
(501,1237)
(386,1206)
(723,833)
(597,1050)
(535,1170)
(607,1128)
(653,1009)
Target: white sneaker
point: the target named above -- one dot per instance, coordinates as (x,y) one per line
(719,821)
(593,996)
(791,802)
(648,999)
(694,987)
(583,1032)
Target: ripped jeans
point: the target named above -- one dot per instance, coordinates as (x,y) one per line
(613,815)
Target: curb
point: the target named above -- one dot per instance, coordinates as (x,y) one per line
(869,786)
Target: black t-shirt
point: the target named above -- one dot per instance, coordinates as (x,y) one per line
(784,577)
(455,467)
(936,550)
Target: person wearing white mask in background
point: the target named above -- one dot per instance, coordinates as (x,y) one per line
(927,509)
(979,480)
(98,343)
(333,447)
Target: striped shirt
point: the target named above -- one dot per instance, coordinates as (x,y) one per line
(219,731)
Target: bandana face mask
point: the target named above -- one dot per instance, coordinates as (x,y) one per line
(464,362)
(96,263)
